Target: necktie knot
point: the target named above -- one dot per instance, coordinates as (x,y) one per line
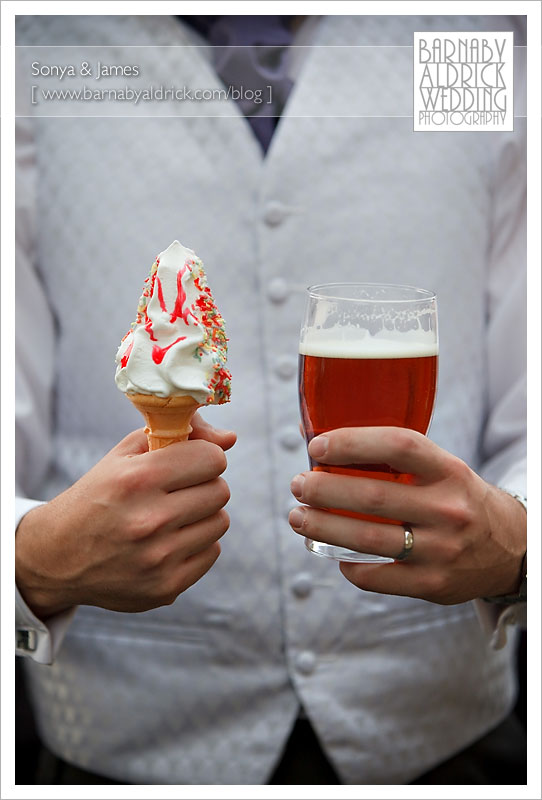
(250,55)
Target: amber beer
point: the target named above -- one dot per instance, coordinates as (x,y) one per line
(395,387)
(351,392)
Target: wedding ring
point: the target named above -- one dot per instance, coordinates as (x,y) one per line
(408,545)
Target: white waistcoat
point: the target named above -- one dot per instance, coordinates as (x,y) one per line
(206,690)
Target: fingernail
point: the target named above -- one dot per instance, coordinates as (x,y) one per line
(318,447)
(297,515)
(296,486)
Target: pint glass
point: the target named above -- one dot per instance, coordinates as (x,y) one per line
(367,357)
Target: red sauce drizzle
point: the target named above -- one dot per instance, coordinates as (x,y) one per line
(180,310)
(161,295)
(158,353)
(126,356)
(148,328)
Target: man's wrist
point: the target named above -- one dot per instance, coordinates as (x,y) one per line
(521,595)
(30,576)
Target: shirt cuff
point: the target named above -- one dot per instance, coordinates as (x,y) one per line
(33,638)
(495,619)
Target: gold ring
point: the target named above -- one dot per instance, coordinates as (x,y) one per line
(408,545)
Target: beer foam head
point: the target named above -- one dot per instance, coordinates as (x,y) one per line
(350,342)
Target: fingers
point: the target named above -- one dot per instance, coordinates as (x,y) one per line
(364,537)
(397,578)
(183,464)
(192,539)
(410,579)
(182,557)
(196,567)
(180,465)
(364,495)
(134,444)
(201,429)
(182,576)
(401,448)
(413,577)
(167,550)
(187,506)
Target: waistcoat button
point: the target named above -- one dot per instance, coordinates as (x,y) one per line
(302,584)
(277,290)
(305,662)
(290,438)
(286,367)
(274,214)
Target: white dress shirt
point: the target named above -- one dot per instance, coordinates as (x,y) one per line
(145,698)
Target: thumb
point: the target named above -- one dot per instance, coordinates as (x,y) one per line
(201,429)
(132,445)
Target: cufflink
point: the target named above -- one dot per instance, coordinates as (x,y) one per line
(26,640)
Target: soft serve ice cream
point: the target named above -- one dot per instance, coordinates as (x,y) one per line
(177,345)
(173,358)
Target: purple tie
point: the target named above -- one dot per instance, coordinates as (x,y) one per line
(249,55)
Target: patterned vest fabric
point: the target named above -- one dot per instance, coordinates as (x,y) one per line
(206,690)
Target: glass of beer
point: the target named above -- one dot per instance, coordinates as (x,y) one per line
(367,357)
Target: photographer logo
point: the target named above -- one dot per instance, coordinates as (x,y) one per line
(463,81)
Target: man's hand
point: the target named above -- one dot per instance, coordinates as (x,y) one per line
(469,536)
(134,532)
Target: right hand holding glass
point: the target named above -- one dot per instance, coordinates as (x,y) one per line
(469,536)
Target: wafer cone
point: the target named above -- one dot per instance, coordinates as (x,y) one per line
(168,418)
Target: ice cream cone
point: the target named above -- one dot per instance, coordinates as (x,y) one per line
(168,418)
